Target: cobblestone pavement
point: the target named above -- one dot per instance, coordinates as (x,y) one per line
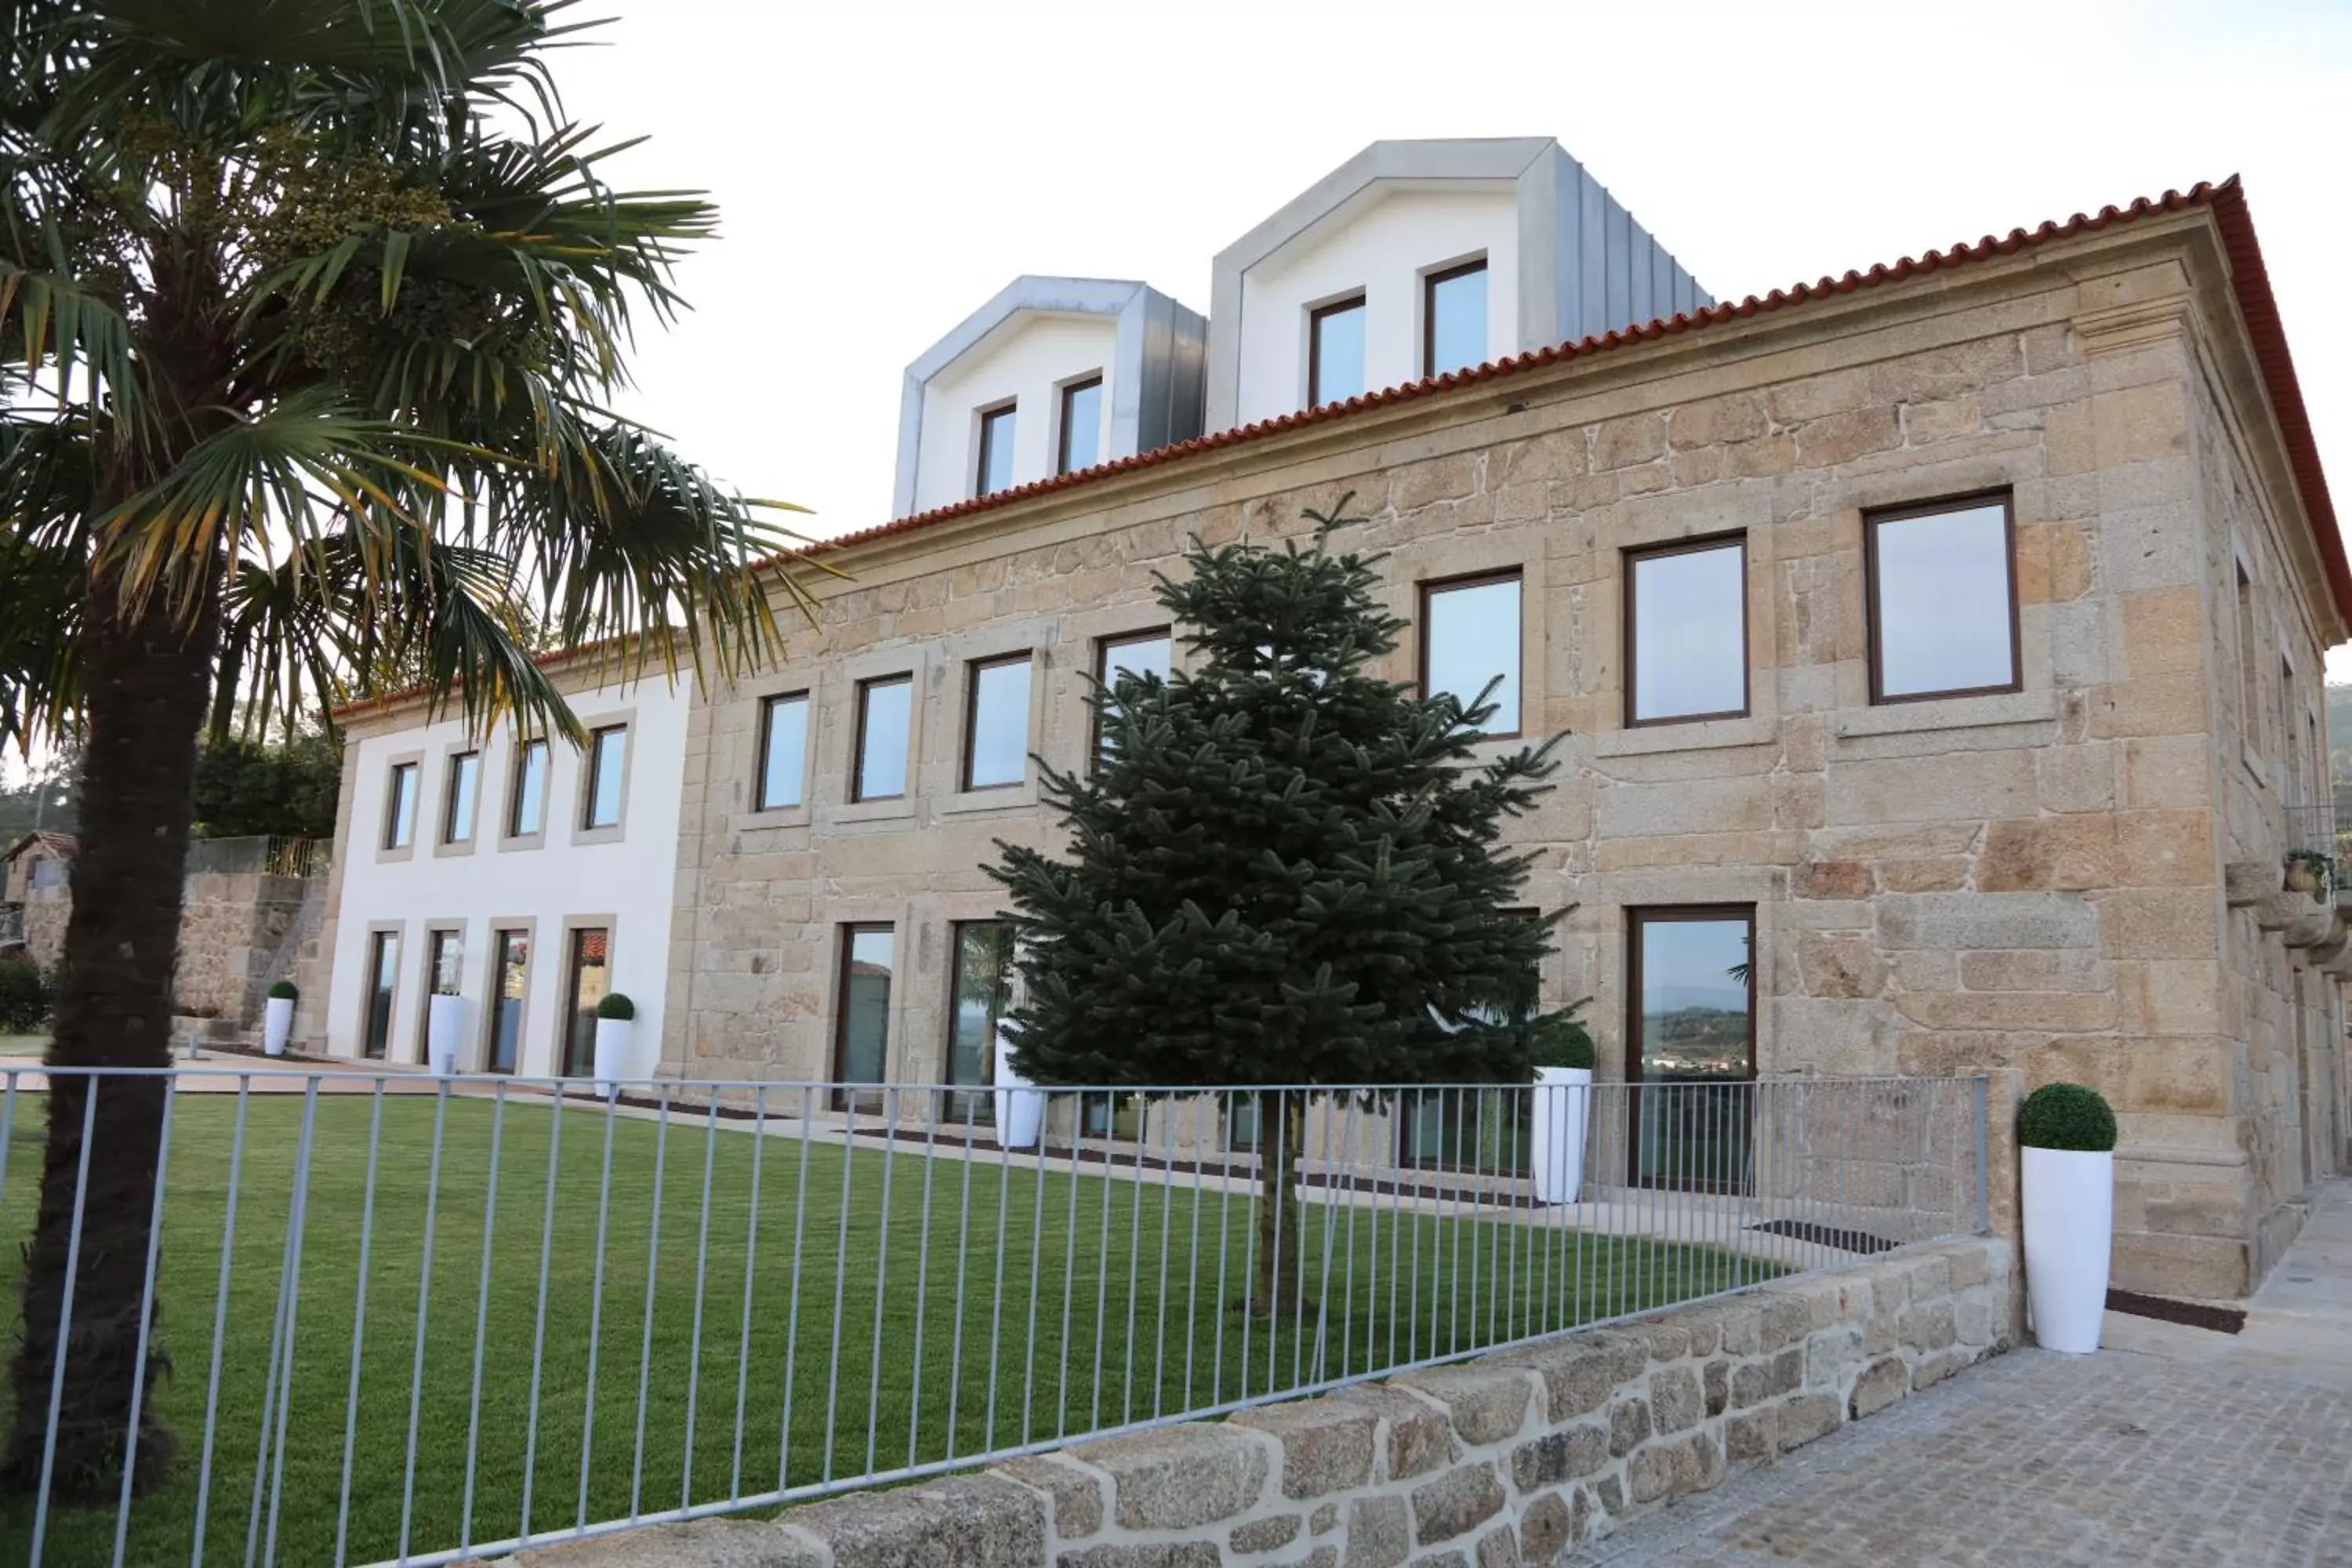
(2037,1459)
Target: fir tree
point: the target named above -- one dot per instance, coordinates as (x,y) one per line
(1282,870)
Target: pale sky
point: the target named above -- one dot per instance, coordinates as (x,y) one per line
(882,168)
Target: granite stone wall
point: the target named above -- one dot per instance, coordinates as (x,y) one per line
(1517,1458)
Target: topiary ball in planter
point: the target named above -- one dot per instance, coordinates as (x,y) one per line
(615,1005)
(2066,1116)
(285,991)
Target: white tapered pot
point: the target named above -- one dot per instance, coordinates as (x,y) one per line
(1563,1108)
(276,1023)
(1020,1110)
(2069,1199)
(613,1038)
(445,1027)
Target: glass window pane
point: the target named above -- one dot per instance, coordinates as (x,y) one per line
(868,964)
(783,751)
(531,792)
(983,992)
(1081,426)
(1152,653)
(1944,598)
(606,754)
(1693,998)
(1335,356)
(1471,635)
(884,710)
(400,810)
(998,747)
(591,952)
(464,774)
(1456,336)
(448,962)
(995,451)
(507,1000)
(383,981)
(1690,633)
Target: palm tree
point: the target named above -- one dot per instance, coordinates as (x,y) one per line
(318,308)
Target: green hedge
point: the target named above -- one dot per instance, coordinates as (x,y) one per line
(2066,1116)
(24,996)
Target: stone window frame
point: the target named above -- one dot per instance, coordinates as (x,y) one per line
(427,930)
(764,705)
(860,688)
(1874,642)
(1629,631)
(1070,726)
(496,928)
(443,844)
(386,852)
(1098,669)
(1427,590)
(1444,558)
(626,721)
(839,757)
(368,966)
(967,796)
(518,754)
(610,924)
(1635,915)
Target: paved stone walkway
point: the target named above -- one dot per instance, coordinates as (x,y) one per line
(2172,1448)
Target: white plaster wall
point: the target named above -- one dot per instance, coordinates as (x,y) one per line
(1028,360)
(1382,247)
(632,880)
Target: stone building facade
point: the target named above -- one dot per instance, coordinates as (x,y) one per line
(2078,875)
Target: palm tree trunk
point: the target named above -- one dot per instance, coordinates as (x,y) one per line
(146,680)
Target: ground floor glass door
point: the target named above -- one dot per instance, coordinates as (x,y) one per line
(590,969)
(507,984)
(1692,1026)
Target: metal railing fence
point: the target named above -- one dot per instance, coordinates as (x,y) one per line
(274,856)
(401,1318)
(2315,830)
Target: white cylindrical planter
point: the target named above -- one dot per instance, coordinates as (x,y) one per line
(276,1023)
(613,1038)
(445,1027)
(2069,1199)
(1020,1110)
(1556,1138)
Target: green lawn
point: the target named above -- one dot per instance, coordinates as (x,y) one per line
(974,1274)
(23,1045)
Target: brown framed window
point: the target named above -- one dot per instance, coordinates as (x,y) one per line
(383,986)
(885,716)
(1335,352)
(589,966)
(1144,653)
(993,470)
(861,1038)
(608,754)
(1690,1028)
(1078,436)
(508,979)
(444,964)
(400,809)
(1470,637)
(1686,631)
(1941,590)
(1453,318)
(996,722)
(981,994)
(1471,1129)
(457,798)
(527,811)
(783,751)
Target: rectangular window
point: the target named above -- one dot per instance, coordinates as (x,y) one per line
(384,984)
(608,751)
(1453,319)
(885,709)
(444,960)
(1691,1001)
(591,958)
(1484,1130)
(457,800)
(1469,637)
(1943,600)
(1137,654)
(2249,696)
(997,723)
(994,470)
(1079,442)
(1335,352)
(527,813)
(862,1021)
(507,999)
(1686,632)
(784,750)
(400,809)
(982,994)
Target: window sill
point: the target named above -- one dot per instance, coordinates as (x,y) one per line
(1699,735)
(387,857)
(871,810)
(1947,713)
(583,838)
(761,821)
(463,847)
(969,802)
(520,842)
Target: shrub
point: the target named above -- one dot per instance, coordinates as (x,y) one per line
(2066,1116)
(285,991)
(615,1005)
(24,996)
(1565,1042)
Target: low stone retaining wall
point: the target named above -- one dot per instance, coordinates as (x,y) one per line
(1511,1459)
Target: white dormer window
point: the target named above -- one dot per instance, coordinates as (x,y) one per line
(994,469)
(1453,318)
(1079,438)
(1335,352)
